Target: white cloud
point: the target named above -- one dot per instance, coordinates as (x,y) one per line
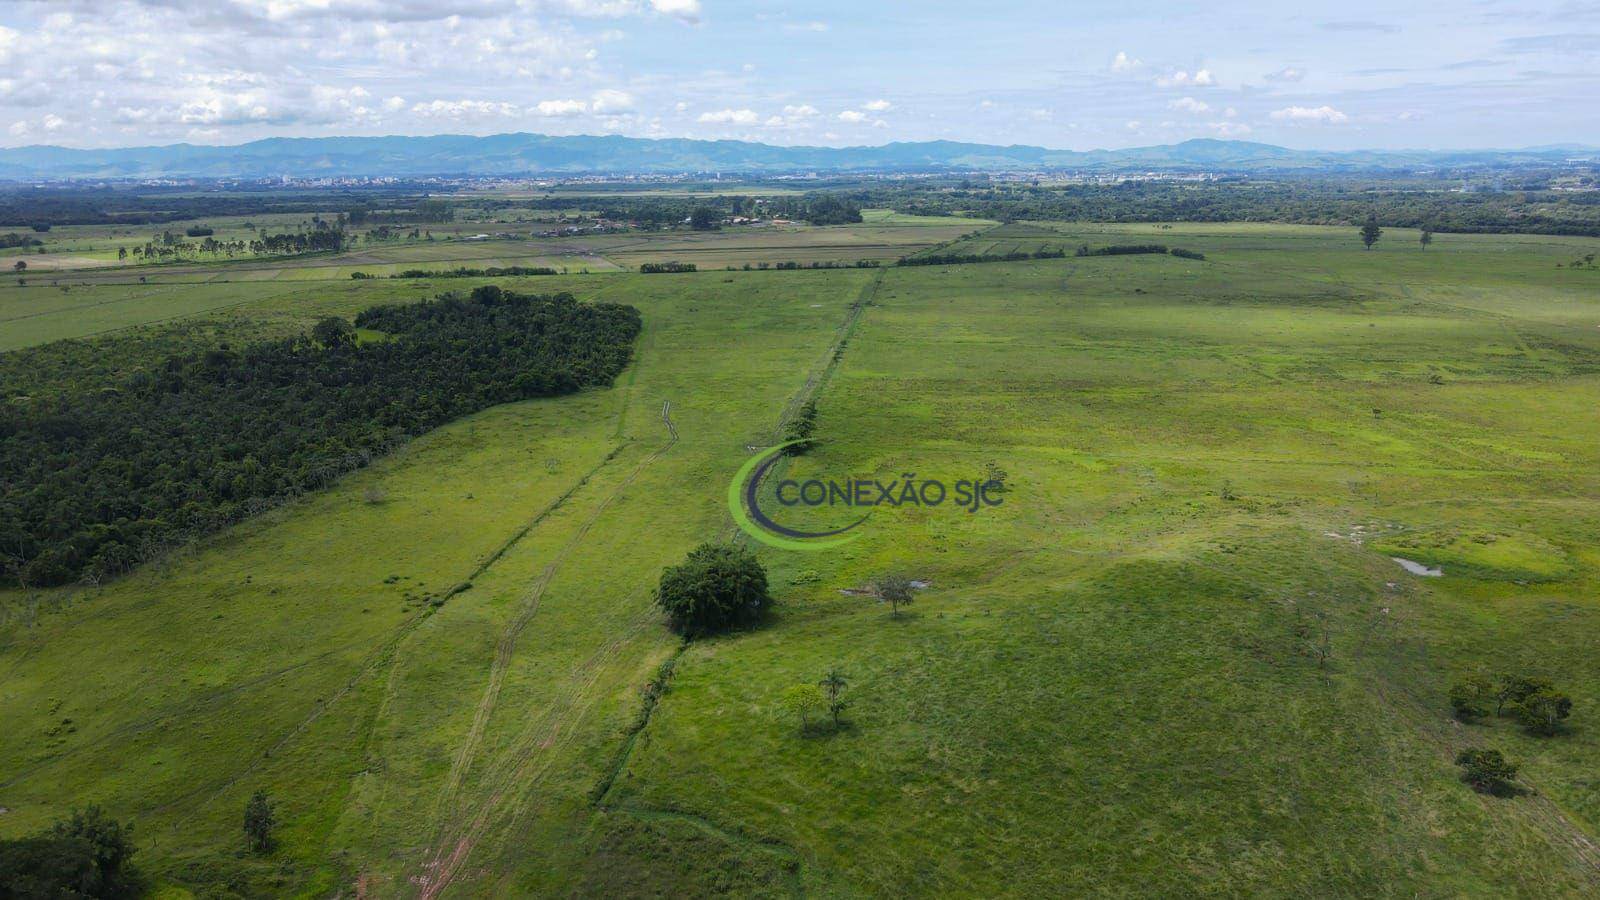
(1200,78)
(1124,63)
(1230,129)
(795,115)
(1320,114)
(152,71)
(730,117)
(611,101)
(1191,105)
(687,10)
(878,105)
(464,109)
(1286,74)
(853,116)
(806,26)
(560,108)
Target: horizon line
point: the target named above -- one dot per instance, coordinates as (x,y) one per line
(1194,140)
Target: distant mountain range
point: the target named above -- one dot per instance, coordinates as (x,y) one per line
(534,154)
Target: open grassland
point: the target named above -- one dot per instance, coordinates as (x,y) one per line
(94,301)
(1107,684)
(778,243)
(1110,686)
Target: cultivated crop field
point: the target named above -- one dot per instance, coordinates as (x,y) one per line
(1178,656)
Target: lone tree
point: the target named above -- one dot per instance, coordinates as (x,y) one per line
(833,685)
(1426,239)
(894,590)
(716,587)
(1486,770)
(803,701)
(259,822)
(21,265)
(1370,233)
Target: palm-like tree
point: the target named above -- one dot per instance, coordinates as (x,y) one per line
(834,684)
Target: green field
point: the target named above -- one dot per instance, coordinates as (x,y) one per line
(1111,685)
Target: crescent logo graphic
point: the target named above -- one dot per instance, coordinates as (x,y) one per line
(747,512)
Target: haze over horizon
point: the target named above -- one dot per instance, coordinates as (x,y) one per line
(122,73)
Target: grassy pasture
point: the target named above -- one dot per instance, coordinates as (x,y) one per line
(58,305)
(1111,685)
(1104,685)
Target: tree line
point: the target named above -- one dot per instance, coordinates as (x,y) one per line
(467,272)
(95,482)
(1432,205)
(952,259)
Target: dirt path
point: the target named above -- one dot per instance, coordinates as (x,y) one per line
(530,753)
(813,385)
(462,825)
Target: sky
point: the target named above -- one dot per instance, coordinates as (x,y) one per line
(1316,75)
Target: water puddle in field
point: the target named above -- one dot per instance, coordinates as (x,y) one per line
(1417,568)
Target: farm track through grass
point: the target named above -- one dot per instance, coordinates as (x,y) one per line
(808,391)
(463,823)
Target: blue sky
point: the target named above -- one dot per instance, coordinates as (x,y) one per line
(1319,75)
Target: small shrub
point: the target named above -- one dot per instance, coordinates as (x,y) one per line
(1470,698)
(1486,770)
(803,702)
(995,476)
(259,822)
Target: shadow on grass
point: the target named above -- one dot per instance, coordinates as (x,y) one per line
(1505,790)
(823,730)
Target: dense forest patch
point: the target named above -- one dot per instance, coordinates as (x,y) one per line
(93,483)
